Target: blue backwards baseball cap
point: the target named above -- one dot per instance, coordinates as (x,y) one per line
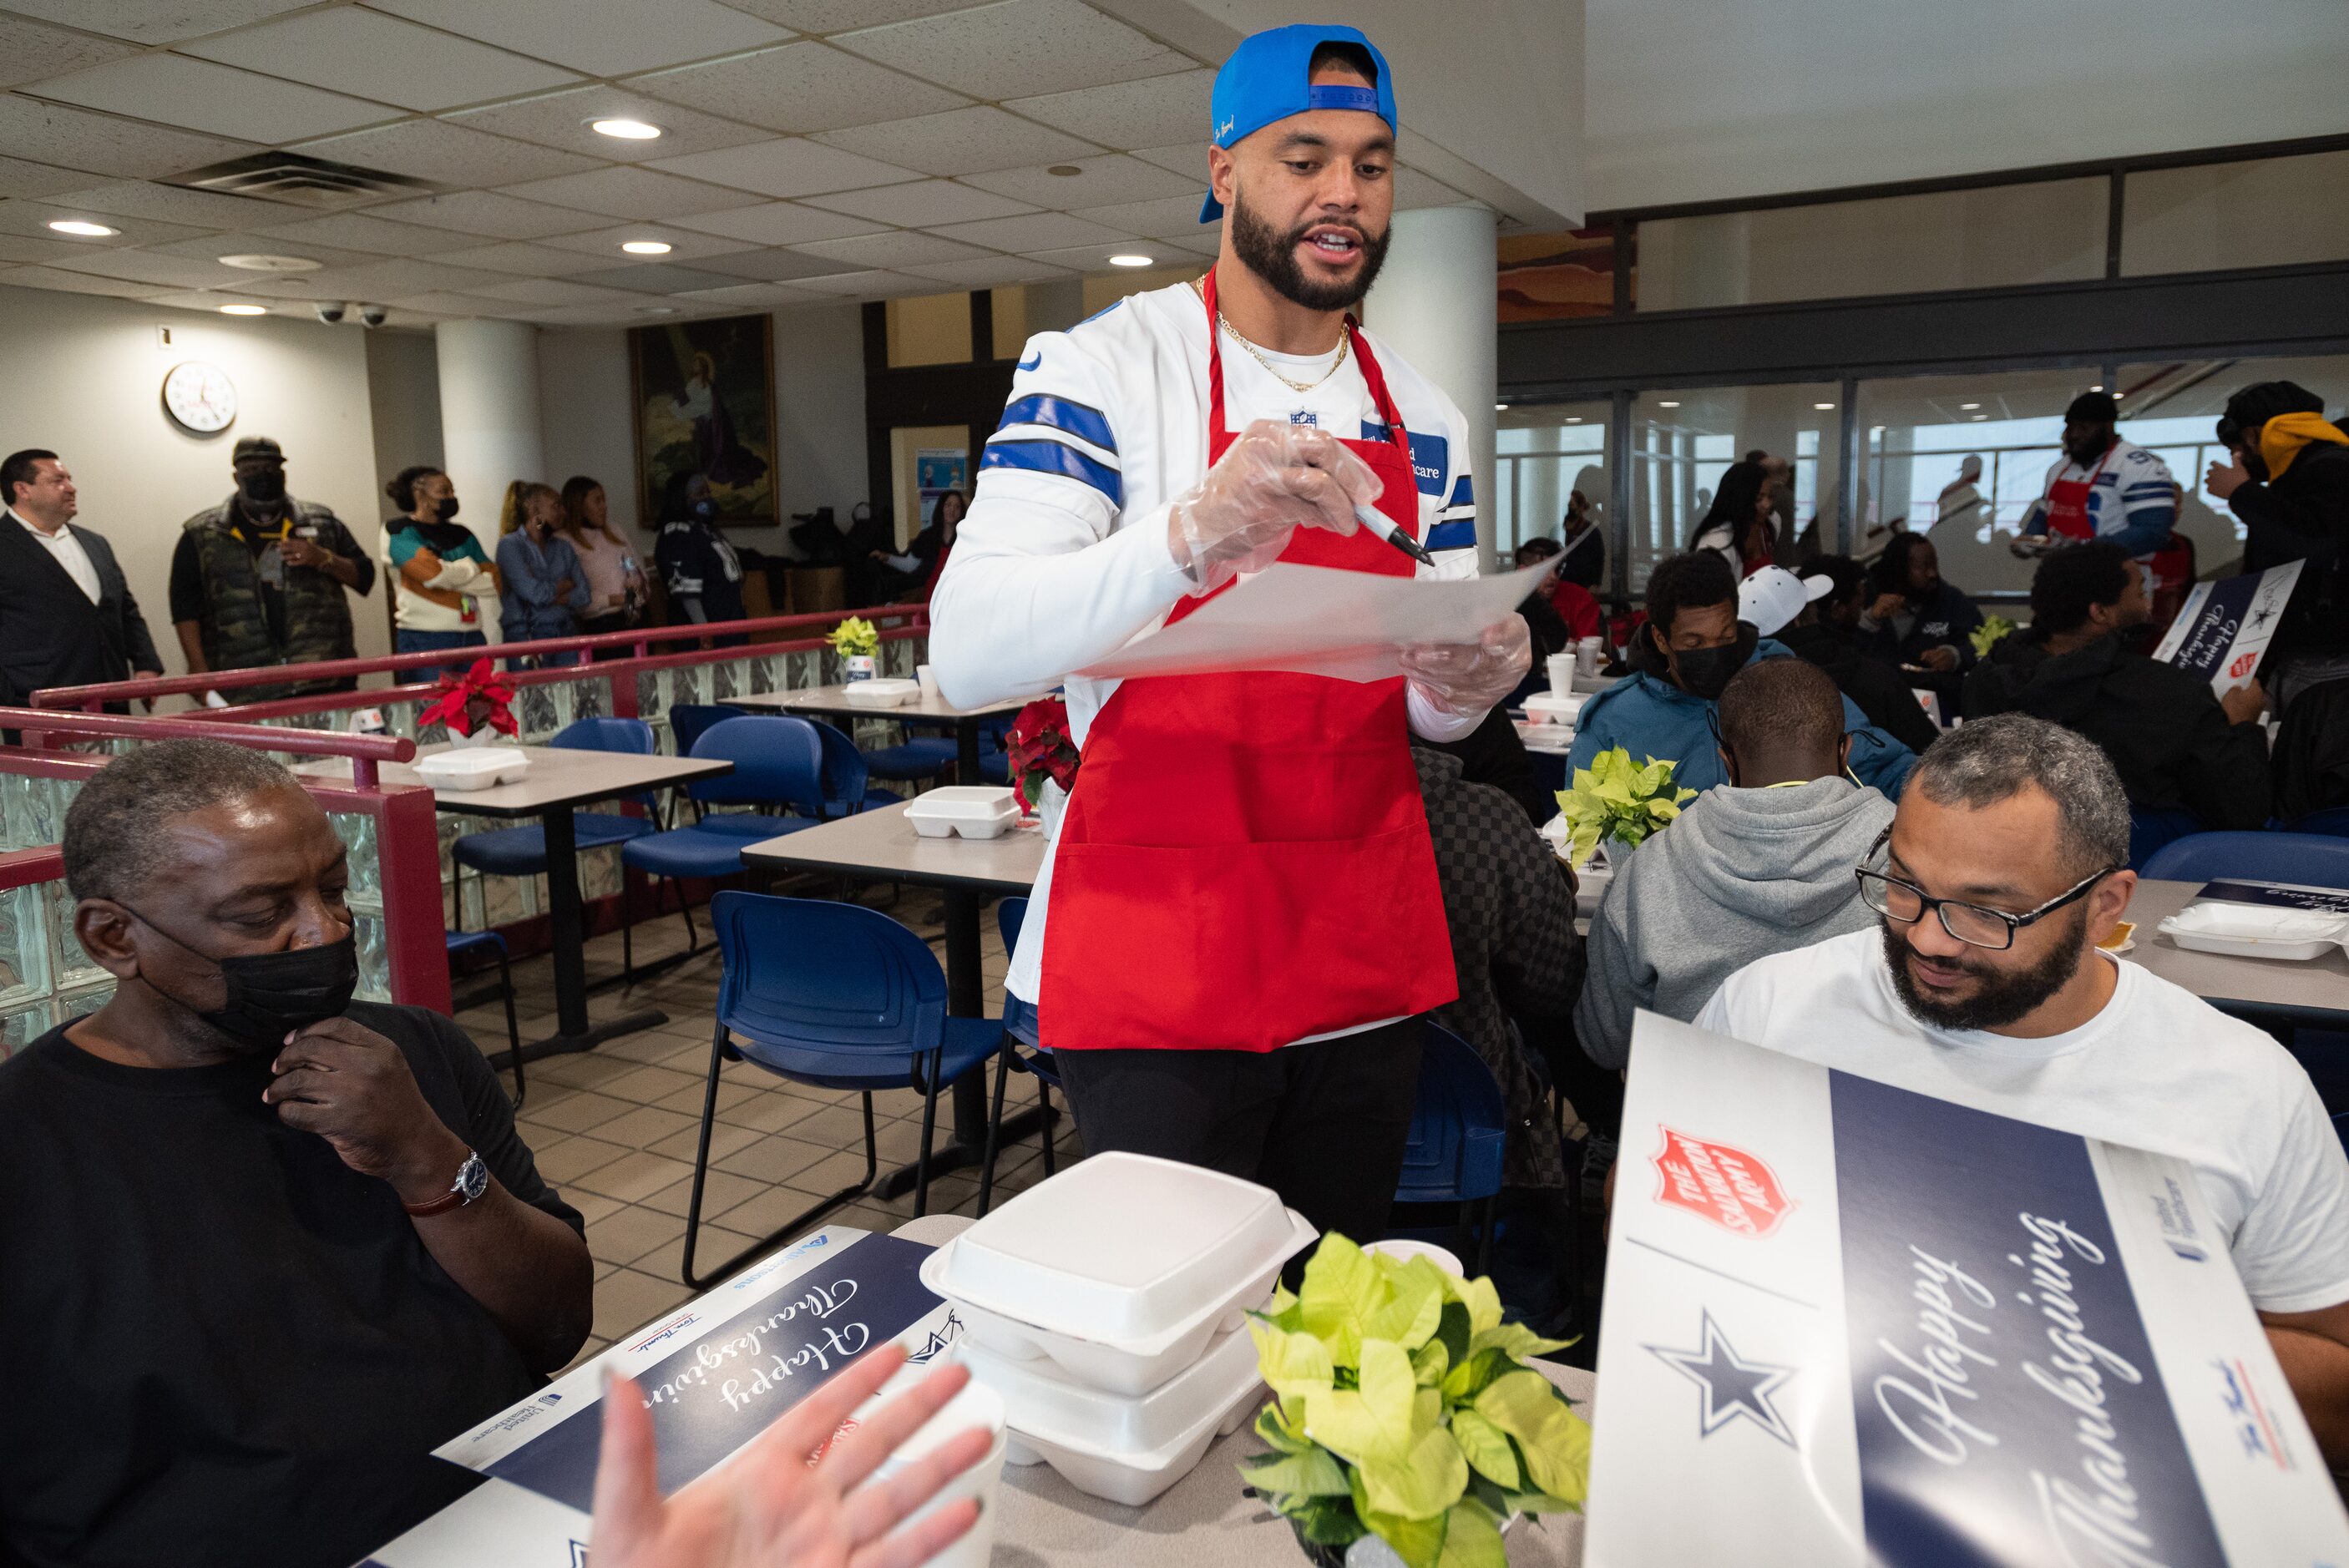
(1266,79)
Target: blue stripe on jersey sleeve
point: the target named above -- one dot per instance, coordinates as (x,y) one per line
(1085,423)
(1464,493)
(1460,534)
(1047,457)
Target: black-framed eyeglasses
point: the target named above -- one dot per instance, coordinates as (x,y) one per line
(1971,923)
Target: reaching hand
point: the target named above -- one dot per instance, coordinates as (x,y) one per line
(1943,658)
(778,1503)
(1274,478)
(2225,478)
(2245,703)
(1464,678)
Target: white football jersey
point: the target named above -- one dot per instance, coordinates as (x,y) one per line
(2133,486)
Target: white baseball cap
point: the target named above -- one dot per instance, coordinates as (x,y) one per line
(1773,596)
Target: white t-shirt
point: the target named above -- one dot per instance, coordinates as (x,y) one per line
(2158,1068)
(1063,558)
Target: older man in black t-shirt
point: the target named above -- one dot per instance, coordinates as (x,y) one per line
(261,1249)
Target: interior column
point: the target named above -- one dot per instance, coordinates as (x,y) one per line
(1434,304)
(489,433)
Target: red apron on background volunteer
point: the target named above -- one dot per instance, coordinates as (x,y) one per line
(2169,570)
(1239,845)
(2067,502)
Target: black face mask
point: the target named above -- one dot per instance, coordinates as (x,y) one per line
(1707,672)
(271,994)
(445,509)
(263,486)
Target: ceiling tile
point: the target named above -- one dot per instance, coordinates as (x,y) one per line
(53,133)
(1036,232)
(347,49)
(146,22)
(1201,242)
(787,166)
(625,191)
(211,247)
(1188,158)
(18,178)
(214,299)
(30,51)
(960,141)
(525,260)
(685,244)
(990,271)
(448,154)
(22,217)
(657,278)
(26,248)
(781,224)
(79,283)
(151,267)
(874,284)
(753,296)
(443,304)
(1019,48)
(562,119)
(601,38)
(1414,189)
(492,213)
(553,291)
(775,266)
(400,277)
(837,16)
(1153,113)
(173,204)
(299,286)
(1172,217)
(1095,258)
(1098,181)
(927,203)
(365,231)
(600,315)
(197,94)
(896,249)
(797,87)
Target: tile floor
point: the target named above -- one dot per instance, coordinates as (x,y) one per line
(613,1129)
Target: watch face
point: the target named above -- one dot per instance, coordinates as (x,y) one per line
(472,1178)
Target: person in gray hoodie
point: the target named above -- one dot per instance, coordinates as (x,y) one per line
(1759,865)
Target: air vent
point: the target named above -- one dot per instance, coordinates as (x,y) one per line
(300,181)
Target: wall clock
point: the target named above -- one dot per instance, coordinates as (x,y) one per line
(199,397)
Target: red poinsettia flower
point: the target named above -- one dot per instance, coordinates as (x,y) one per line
(480,697)
(1038,747)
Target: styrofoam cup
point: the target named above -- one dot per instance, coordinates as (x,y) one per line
(1561,673)
(929,679)
(1401,1247)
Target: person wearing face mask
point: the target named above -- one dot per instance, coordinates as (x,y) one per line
(440,574)
(265,1246)
(544,587)
(1693,645)
(701,570)
(260,580)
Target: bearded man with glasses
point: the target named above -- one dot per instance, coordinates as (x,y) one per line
(1984,984)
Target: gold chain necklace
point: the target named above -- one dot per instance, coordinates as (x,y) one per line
(1345,342)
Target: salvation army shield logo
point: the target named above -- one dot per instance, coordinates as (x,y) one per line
(1735,1189)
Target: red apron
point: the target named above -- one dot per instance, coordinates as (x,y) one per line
(2067,502)
(1245,862)
(2169,570)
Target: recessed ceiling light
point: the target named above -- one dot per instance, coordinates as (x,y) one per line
(1134,260)
(656,310)
(1822,404)
(83,227)
(1500,407)
(1666,402)
(1064,170)
(1980,417)
(1574,419)
(646,247)
(265,262)
(1969,407)
(2097,387)
(245,310)
(625,129)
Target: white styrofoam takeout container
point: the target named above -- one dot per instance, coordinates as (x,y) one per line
(472,766)
(973,810)
(880,693)
(1039,1402)
(2252,931)
(1554,707)
(1134,1476)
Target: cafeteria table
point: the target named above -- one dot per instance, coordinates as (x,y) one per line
(832,702)
(882,847)
(2313,991)
(561,780)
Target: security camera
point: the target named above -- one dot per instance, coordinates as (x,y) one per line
(330,311)
(373,315)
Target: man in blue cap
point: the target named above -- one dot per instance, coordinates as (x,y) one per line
(1239,921)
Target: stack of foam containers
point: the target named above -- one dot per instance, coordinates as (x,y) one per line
(1107,1307)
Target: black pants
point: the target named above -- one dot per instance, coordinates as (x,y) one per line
(1323,1125)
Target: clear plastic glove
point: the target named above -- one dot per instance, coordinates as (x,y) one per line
(1273,480)
(1465,678)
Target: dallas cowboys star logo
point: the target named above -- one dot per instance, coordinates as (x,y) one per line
(2259,619)
(1732,1386)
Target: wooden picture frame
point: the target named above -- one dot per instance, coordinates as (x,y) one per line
(701,401)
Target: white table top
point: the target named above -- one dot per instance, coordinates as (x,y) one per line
(2318,985)
(558,776)
(834,699)
(883,845)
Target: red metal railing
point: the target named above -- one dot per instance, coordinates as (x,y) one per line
(913,619)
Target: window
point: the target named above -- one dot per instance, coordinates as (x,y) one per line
(1546,453)
(1682,441)
(2267,212)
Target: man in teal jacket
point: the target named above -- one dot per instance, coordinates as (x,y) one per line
(1687,653)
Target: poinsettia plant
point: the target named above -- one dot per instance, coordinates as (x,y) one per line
(1038,747)
(1988,635)
(855,638)
(479,700)
(1616,799)
(1402,1407)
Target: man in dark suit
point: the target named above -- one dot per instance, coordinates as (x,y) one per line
(66,616)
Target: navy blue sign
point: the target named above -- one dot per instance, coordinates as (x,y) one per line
(2318,899)
(2008,1405)
(716,1394)
(2219,624)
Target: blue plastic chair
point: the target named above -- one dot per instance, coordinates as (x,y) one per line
(1019,1028)
(2312,860)
(466,942)
(778,761)
(688,721)
(521,851)
(838,996)
(1458,1129)
(918,756)
(847,779)
(2332,823)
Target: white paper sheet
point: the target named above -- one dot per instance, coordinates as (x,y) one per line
(1315,621)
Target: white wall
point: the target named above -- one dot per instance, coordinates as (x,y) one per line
(85,378)
(404,391)
(1744,97)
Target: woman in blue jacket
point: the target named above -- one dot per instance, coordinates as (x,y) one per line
(544,587)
